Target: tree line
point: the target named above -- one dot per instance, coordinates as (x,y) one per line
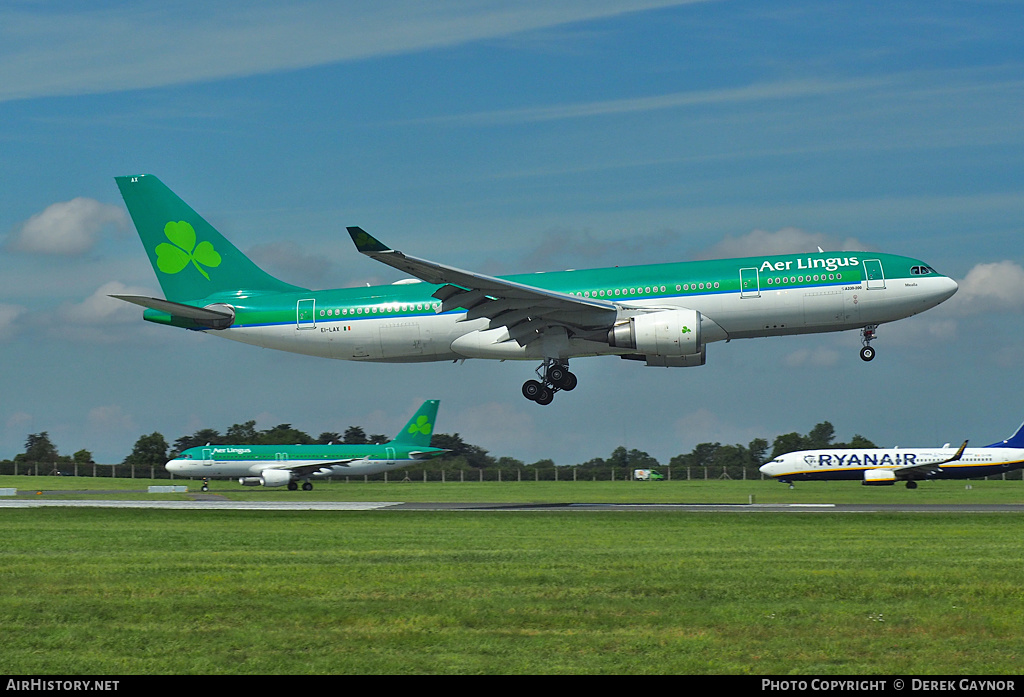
(153,450)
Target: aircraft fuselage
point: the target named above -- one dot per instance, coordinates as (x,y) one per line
(735,298)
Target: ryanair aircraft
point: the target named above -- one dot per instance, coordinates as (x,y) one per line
(886,466)
(658,314)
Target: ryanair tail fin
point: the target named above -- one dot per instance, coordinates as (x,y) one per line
(420,427)
(191,259)
(1014,441)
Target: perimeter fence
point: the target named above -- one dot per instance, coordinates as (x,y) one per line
(566,473)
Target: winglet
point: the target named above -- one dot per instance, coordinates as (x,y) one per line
(365,242)
(959,454)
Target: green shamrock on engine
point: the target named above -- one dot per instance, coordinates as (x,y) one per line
(173,258)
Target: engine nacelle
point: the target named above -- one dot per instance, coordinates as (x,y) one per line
(665,333)
(267,478)
(879,477)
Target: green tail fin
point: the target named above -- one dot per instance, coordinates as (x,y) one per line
(421,426)
(191,259)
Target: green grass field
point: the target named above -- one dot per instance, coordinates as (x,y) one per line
(120,592)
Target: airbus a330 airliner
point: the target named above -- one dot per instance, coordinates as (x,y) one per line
(886,466)
(659,314)
(278,465)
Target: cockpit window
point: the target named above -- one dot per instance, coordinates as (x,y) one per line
(921,270)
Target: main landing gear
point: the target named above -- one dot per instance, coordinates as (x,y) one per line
(554,376)
(867,335)
(911,484)
(306,486)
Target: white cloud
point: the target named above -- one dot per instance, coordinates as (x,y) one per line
(789,240)
(991,287)
(919,331)
(564,249)
(100,319)
(111,418)
(704,426)
(82,51)
(502,426)
(286,260)
(819,357)
(68,228)
(19,421)
(99,309)
(9,315)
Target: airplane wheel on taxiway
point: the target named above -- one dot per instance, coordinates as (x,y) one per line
(293,486)
(306,486)
(867,353)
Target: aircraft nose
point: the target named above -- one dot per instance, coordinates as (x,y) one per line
(947,288)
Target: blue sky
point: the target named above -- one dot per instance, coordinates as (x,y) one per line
(511,137)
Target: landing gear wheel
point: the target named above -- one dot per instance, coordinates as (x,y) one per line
(306,486)
(867,335)
(293,486)
(531,389)
(911,484)
(556,375)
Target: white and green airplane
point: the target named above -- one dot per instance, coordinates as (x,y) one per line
(659,314)
(278,465)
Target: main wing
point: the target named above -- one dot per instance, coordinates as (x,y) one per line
(926,470)
(525,310)
(308,468)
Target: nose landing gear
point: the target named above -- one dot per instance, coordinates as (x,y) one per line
(867,335)
(554,376)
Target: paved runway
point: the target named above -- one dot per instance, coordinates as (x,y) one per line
(223,505)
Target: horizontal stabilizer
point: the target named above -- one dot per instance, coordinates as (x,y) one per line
(421,455)
(215,319)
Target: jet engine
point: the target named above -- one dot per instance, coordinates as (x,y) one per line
(879,477)
(665,333)
(267,478)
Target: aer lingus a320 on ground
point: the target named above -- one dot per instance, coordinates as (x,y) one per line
(658,314)
(287,465)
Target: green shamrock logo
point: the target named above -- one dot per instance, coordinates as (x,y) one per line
(173,258)
(422,425)
(686,330)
